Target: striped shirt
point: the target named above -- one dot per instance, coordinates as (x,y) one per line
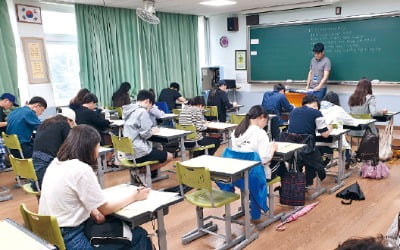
(193,115)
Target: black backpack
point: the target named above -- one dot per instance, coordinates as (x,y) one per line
(368,148)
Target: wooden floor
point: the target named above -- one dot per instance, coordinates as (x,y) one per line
(322,228)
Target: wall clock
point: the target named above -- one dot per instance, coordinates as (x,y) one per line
(223,41)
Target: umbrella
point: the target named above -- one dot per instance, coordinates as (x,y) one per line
(296,215)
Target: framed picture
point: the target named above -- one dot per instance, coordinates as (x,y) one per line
(35,60)
(240,60)
(28,14)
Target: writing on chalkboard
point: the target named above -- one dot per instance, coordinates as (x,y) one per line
(357,48)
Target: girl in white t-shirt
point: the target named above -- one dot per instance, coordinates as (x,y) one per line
(71,192)
(250,136)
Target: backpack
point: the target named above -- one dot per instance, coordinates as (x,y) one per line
(368,148)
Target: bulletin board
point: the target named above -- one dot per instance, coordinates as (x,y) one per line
(35,60)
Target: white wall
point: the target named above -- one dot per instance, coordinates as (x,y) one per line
(27,90)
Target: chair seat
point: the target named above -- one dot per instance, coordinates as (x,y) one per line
(28,188)
(127,163)
(201,148)
(201,198)
(275,180)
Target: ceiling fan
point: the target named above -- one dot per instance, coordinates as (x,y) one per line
(147,13)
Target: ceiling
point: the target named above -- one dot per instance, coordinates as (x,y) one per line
(193,7)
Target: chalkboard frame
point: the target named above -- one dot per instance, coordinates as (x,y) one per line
(313,21)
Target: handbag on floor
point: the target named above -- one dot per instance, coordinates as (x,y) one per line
(292,190)
(385,142)
(379,171)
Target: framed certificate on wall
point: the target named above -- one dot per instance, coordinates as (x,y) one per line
(35,60)
(240,60)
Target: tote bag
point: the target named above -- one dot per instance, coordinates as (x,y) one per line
(385,142)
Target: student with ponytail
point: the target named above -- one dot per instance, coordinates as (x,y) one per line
(250,136)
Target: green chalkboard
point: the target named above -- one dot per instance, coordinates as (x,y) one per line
(357,48)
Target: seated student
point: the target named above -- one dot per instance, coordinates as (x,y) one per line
(218,97)
(334,114)
(306,120)
(86,114)
(362,101)
(249,136)
(121,96)
(23,121)
(72,194)
(7,100)
(171,95)
(275,102)
(76,102)
(139,127)
(49,137)
(193,114)
(365,243)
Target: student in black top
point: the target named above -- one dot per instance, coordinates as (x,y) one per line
(218,97)
(306,120)
(171,95)
(49,137)
(76,102)
(86,114)
(121,96)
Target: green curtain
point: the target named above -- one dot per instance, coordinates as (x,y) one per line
(8,53)
(169,53)
(108,49)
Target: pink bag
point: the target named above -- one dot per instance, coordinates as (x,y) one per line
(375,172)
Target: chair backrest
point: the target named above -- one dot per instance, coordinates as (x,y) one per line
(163,106)
(191,128)
(44,226)
(12,142)
(122,144)
(176,111)
(198,177)
(211,111)
(361,116)
(23,168)
(237,119)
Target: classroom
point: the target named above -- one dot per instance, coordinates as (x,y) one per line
(217,60)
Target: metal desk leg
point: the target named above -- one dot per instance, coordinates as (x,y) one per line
(341,167)
(249,237)
(162,233)
(101,163)
(183,149)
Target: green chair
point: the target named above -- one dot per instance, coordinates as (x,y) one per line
(358,134)
(45,226)
(362,116)
(211,111)
(272,217)
(237,119)
(124,145)
(12,142)
(193,138)
(205,197)
(176,111)
(23,168)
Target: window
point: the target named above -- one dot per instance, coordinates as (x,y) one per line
(59,24)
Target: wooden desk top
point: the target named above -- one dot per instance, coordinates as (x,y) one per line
(16,237)
(220,165)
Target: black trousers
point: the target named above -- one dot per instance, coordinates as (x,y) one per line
(313,164)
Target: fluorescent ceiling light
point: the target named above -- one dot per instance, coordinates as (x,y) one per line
(218,3)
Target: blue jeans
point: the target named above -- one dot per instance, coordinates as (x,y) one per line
(320,94)
(40,161)
(75,239)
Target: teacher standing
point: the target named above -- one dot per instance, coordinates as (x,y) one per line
(320,68)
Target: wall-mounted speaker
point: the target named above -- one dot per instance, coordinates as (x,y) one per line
(252,20)
(233,23)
